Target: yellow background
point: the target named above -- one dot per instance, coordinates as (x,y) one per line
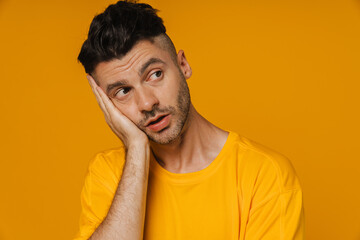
(283,73)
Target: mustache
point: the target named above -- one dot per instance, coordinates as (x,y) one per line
(154,111)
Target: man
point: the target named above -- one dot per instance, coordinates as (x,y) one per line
(177,176)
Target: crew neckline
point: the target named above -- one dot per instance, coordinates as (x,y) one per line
(192,177)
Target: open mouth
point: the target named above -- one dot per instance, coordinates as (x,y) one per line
(157,120)
(160,123)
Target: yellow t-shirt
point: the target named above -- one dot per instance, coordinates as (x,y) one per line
(247,192)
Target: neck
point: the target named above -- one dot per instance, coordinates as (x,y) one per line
(198,144)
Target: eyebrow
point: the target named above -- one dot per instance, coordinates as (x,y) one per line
(148,63)
(114,85)
(141,72)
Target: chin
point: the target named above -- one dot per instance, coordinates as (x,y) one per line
(164,137)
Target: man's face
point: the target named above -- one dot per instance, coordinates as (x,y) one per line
(149,88)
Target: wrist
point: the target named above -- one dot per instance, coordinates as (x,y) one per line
(139,141)
(138,144)
(138,154)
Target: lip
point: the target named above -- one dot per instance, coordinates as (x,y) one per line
(159,125)
(154,119)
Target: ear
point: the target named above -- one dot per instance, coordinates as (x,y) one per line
(183,64)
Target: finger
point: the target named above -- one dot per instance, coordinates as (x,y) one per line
(107,102)
(113,112)
(118,122)
(98,97)
(91,81)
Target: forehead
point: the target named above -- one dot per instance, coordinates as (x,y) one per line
(131,62)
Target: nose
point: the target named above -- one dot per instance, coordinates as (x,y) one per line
(146,99)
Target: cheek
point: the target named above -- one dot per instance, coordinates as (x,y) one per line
(169,91)
(129,110)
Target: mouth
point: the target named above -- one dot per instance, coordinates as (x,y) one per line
(159,123)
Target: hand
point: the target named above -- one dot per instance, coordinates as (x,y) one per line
(123,127)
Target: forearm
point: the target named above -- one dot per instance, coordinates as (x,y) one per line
(126,216)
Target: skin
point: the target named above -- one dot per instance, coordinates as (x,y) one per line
(148,90)
(187,137)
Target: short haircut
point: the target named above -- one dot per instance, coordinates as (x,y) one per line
(114,32)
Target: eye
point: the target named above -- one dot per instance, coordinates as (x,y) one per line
(122,92)
(155,75)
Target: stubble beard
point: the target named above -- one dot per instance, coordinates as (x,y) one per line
(168,135)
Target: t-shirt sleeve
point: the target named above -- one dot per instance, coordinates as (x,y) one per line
(278,217)
(273,201)
(100,186)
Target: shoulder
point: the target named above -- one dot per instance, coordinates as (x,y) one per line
(270,195)
(111,158)
(107,165)
(264,169)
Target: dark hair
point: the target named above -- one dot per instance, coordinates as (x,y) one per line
(115,31)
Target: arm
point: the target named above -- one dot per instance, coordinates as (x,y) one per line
(126,216)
